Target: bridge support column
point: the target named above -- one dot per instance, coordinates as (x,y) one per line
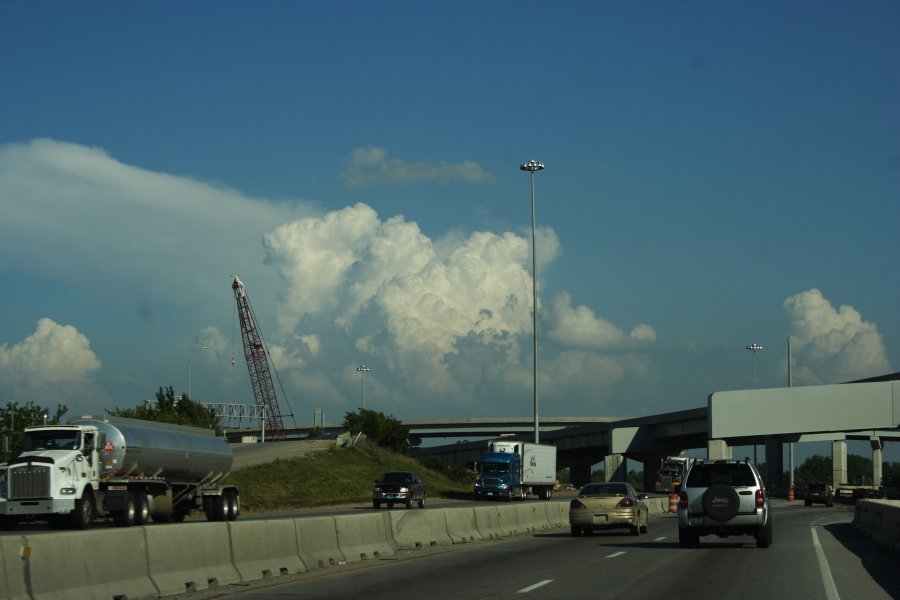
(718,450)
(580,473)
(838,463)
(651,475)
(775,465)
(614,467)
(877,447)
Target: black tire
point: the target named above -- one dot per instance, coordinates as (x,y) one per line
(83,515)
(764,535)
(178,515)
(721,502)
(576,531)
(214,507)
(422,501)
(409,503)
(376,504)
(645,526)
(634,529)
(126,518)
(232,505)
(142,509)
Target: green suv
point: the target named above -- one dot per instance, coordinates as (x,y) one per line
(723,498)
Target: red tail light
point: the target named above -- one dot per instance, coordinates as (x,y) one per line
(576,503)
(683,500)
(625,503)
(760,498)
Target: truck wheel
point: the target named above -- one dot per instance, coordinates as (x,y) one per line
(409,503)
(214,507)
(83,514)
(232,505)
(422,502)
(178,515)
(142,509)
(126,518)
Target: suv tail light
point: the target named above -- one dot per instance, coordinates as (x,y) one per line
(576,503)
(625,503)
(683,500)
(760,498)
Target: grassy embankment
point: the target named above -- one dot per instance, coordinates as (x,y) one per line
(330,477)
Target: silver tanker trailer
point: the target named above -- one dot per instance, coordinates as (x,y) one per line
(127,469)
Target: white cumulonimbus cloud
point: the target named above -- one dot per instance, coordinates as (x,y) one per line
(371,166)
(446,321)
(53,364)
(832,346)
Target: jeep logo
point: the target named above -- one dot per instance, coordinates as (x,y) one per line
(720,501)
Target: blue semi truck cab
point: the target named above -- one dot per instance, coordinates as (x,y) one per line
(516,469)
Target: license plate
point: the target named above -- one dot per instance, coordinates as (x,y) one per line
(695,521)
(599,518)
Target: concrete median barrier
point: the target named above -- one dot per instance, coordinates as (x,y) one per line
(419,529)
(531,516)
(317,542)
(365,536)
(60,566)
(880,521)
(13,568)
(461,525)
(557,514)
(262,549)
(189,557)
(495,522)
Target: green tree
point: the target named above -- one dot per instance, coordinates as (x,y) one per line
(385,431)
(169,408)
(14,418)
(636,479)
(814,468)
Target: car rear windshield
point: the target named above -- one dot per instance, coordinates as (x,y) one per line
(734,475)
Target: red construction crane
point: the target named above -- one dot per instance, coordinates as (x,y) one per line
(258,364)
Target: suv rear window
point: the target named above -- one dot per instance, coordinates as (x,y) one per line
(734,475)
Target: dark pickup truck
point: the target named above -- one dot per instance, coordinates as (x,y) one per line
(399,487)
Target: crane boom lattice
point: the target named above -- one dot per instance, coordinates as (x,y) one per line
(258,363)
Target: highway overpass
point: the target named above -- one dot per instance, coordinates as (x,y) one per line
(864,410)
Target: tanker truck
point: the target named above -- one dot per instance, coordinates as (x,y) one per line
(127,469)
(511,469)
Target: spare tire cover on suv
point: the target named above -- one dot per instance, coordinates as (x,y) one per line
(721,502)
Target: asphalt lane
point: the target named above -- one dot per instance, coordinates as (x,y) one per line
(815,554)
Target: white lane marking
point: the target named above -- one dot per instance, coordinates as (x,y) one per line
(659,539)
(531,588)
(614,554)
(831,592)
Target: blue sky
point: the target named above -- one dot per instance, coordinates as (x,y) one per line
(717,174)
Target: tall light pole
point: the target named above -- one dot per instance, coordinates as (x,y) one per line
(190,351)
(363,369)
(531,166)
(754,348)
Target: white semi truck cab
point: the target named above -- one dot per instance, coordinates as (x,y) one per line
(127,469)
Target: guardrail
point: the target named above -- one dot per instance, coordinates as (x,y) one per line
(156,561)
(879,520)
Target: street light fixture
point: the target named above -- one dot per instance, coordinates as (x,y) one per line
(190,351)
(753,348)
(532,166)
(363,369)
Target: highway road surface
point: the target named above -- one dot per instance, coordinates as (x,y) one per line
(816,553)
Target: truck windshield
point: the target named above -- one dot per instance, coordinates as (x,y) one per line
(495,467)
(52,440)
